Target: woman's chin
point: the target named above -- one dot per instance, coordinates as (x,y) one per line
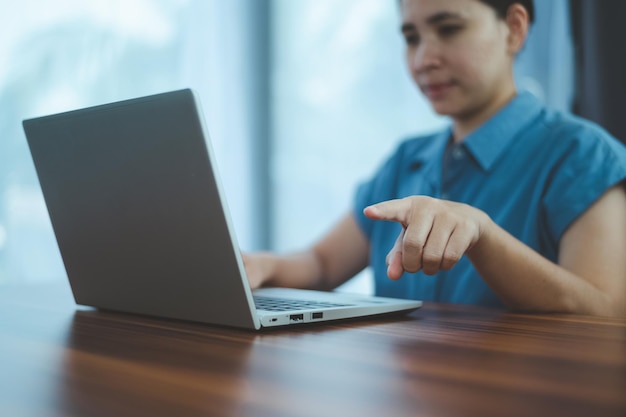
(443,109)
(449,107)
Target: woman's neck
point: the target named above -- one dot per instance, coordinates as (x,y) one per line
(464,125)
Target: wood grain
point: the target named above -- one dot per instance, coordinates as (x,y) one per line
(57,359)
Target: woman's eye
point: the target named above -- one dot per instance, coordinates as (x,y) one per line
(411,39)
(449,30)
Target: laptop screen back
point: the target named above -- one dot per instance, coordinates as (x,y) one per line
(136,207)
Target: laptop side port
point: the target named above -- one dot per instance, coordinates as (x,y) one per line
(296,317)
(317,316)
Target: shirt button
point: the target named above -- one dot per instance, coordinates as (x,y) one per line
(445,196)
(457,153)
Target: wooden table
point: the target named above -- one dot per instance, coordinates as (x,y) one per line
(60,360)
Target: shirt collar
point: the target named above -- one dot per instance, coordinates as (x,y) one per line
(490,140)
(430,151)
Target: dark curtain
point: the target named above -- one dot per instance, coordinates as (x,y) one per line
(599,33)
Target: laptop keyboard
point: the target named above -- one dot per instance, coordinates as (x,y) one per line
(282,304)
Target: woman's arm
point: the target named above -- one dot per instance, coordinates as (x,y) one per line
(589,279)
(339,255)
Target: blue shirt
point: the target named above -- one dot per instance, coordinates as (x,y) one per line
(532,170)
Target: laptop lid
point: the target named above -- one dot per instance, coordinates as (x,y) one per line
(142,223)
(138,212)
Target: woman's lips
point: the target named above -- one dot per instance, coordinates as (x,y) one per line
(437,90)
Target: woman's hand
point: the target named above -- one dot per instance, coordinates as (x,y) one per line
(337,257)
(259,267)
(435,233)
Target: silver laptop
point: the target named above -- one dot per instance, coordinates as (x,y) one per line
(142,223)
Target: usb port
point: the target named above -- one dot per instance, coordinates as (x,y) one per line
(296,317)
(316,316)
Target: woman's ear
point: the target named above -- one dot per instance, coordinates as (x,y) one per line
(518,21)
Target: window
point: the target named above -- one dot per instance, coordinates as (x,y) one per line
(67,54)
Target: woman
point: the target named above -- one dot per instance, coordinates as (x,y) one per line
(514,205)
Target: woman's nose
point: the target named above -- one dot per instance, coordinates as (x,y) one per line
(426,56)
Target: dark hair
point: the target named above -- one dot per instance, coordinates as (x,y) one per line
(502,7)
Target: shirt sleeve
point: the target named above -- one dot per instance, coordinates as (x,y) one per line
(592,163)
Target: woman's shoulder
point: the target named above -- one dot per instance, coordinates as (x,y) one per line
(574,146)
(572,131)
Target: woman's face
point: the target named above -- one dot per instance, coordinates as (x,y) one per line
(458,53)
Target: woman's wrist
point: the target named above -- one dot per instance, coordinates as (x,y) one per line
(487,230)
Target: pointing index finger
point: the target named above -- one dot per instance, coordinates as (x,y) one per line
(393,210)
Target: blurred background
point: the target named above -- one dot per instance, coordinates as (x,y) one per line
(303,100)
